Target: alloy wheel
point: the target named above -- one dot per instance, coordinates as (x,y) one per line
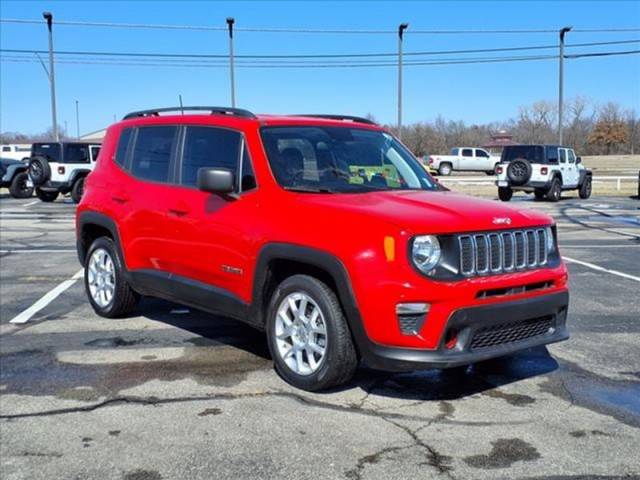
(101,277)
(301,333)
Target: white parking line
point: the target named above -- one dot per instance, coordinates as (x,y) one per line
(31,203)
(41,250)
(601,269)
(46,299)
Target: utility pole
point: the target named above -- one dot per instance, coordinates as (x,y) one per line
(230,22)
(563,31)
(52,77)
(77,121)
(401,29)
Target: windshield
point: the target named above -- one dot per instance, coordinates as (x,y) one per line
(533,153)
(339,159)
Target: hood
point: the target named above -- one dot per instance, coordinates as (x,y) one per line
(432,212)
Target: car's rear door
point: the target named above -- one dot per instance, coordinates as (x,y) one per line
(465,159)
(142,196)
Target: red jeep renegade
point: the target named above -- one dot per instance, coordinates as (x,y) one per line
(325,232)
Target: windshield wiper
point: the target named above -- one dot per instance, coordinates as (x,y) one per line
(306,189)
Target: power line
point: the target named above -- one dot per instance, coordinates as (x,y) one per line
(314,56)
(213,64)
(329,31)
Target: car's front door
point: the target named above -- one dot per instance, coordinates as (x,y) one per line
(211,235)
(572,174)
(483,160)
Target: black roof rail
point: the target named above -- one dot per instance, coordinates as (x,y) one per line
(350,118)
(238,112)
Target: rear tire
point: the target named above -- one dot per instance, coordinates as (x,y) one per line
(539,194)
(445,169)
(103,267)
(505,193)
(585,189)
(78,190)
(18,187)
(46,196)
(303,332)
(555,190)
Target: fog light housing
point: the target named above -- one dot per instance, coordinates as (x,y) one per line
(411,317)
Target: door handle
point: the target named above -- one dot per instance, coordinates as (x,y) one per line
(179,210)
(120,197)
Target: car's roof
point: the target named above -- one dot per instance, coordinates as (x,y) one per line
(537,145)
(260,119)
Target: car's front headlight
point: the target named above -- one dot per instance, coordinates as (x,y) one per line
(425,253)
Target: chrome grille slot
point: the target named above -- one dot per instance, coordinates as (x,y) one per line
(532,248)
(507,254)
(520,243)
(542,246)
(497,252)
(482,253)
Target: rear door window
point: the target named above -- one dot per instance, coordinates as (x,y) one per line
(95,150)
(50,151)
(467,152)
(563,155)
(152,153)
(209,147)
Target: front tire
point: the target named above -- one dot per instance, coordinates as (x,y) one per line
(585,189)
(109,293)
(46,196)
(555,190)
(505,193)
(19,188)
(308,335)
(78,190)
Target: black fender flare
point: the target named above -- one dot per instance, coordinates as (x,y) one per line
(86,219)
(556,174)
(583,175)
(78,173)
(322,260)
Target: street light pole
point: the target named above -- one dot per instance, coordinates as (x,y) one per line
(52,77)
(230,22)
(563,31)
(77,120)
(401,29)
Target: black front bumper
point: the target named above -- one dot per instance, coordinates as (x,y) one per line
(483,332)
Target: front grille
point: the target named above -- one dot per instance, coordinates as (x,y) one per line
(505,333)
(487,253)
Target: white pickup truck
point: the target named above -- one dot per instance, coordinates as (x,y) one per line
(466,159)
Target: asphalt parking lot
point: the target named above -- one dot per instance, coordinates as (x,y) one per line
(173,393)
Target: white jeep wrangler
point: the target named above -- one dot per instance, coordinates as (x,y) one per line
(544,170)
(61,167)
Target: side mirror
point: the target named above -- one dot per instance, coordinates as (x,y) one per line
(216,180)
(578,159)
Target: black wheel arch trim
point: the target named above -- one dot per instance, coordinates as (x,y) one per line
(101,220)
(322,260)
(76,174)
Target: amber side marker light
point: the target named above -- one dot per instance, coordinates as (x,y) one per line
(390,249)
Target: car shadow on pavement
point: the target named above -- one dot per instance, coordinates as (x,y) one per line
(456,383)
(425,385)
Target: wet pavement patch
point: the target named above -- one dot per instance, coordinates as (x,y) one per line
(584,433)
(115,342)
(210,411)
(504,453)
(515,399)
(142,475)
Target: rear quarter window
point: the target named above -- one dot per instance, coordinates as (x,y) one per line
(50,151)
(123,146)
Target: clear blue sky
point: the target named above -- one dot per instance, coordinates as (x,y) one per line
(473,93)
